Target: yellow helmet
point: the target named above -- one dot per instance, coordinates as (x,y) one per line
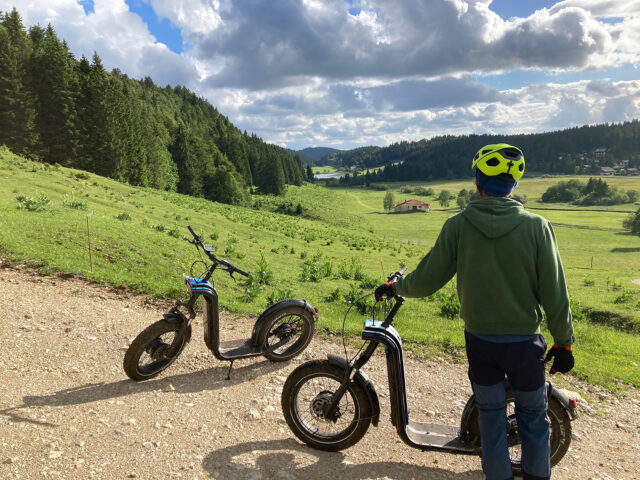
(492,160)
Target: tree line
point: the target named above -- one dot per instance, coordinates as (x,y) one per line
(569,151)
(57,109)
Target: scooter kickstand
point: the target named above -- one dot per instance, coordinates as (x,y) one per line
(229,371)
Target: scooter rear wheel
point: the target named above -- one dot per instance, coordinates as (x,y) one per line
(286,333)
(559,429)
(305,395)
(151,352)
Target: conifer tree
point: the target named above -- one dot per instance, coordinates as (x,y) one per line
(17,113)
(53,81)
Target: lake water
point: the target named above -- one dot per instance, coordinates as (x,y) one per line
(327,176)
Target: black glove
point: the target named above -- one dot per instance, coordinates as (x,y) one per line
(562,359)
(384,290)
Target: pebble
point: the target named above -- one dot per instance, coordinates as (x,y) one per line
(253,415)
(170,388)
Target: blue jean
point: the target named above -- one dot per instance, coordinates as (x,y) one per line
(522,363)
(533,428)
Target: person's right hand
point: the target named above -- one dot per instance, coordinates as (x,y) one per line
(384,290)
(562,359)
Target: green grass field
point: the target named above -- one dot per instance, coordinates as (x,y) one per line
(137,241)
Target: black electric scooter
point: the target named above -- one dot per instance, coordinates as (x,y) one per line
(329,404)
(281,332)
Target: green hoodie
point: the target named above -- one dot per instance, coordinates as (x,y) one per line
(508,266)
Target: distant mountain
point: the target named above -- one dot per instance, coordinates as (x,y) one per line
(318,152)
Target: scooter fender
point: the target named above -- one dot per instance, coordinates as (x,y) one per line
(568,403)
(181,319)
(362,379)
(291,302)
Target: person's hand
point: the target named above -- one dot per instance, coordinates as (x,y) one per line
(384,290)
(562,359)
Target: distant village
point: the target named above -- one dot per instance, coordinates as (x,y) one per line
(593,163)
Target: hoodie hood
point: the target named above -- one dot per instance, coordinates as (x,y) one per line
(494,216)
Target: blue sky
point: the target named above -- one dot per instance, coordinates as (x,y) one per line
(348,73)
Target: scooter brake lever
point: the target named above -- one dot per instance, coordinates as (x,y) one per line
(231,275)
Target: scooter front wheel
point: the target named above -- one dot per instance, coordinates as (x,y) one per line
(286,333)
(305,396)
(154,349)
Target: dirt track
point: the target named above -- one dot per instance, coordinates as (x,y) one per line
(68,411)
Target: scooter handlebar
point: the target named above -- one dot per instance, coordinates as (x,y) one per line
(395,276)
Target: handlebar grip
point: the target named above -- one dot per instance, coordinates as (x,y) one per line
(241,272)
(395,276)
(195,235)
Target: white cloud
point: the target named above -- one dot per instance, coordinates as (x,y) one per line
(287,119)
(120,37)
(603,8)
(195,17)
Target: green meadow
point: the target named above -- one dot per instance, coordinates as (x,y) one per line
(331,253)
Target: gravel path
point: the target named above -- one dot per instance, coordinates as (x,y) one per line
(68,411)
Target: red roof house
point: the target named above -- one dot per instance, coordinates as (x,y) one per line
(412,205)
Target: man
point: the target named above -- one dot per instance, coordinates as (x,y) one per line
(508,266)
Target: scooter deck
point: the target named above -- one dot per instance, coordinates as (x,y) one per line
(239,348)
(434,436)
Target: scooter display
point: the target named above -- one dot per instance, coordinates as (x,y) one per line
(280,333)
(329,404)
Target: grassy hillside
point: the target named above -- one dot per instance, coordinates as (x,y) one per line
(137,241)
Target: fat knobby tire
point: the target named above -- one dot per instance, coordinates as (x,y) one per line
(362,405)
(138,346)
(300,344)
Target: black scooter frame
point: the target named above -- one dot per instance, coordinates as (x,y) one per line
(423,436)
(184,313)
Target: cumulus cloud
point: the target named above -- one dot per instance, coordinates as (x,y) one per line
(603,8)
(530,109)
(262,45)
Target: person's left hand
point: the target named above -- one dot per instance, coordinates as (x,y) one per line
(384,290)
(562,359)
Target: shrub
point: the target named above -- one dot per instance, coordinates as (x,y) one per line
(352,295)
(626,296)
(175,233)
(251,287)
(424,191)
(368,282)
(279,295)
(577,312)
(313,270)
(124,216)
(264,274)
(71,202)
(333,296)
(449,305)
(632,222)
(38,204)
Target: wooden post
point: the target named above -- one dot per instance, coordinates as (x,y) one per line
(89,243)
(591,263)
